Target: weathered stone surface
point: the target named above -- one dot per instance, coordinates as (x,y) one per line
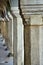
(41,45)
(36,20)
(15,40)
(20,42)
(27,46)
(10,35)
(35,45)
(31,44)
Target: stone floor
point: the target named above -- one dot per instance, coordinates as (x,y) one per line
(4,60)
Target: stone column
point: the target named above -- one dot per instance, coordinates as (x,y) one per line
(41,43)
(15,40)
(31,38)
(35,45)
(27,45)
(33,9)
(36,21)
(27,42)
(18,46)
(10,35)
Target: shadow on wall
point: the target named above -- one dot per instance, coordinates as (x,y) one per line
(20,11)
(0,30)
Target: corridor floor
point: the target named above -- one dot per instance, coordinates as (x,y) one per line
(4,59)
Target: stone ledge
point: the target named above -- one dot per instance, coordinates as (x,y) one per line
(32,9)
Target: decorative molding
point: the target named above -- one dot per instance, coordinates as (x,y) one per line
(27,10)
(32,9)
(15,11)
(27,21)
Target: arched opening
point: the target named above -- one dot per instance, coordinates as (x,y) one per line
(6,55)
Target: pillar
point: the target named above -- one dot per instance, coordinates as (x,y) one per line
(27,45)
(30,9)
(18,38)
(18,46)
(10,43)
(36,21)
(41,43)
(31,40)
(15,40)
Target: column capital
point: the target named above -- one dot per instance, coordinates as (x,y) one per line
(15,11)
(27,21)
(28,9)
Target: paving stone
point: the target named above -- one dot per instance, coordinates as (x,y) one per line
(4,60)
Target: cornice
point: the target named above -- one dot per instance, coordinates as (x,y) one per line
(29,10)
(32,9)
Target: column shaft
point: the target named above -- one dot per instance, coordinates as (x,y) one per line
(27,46)
(41,45)
(31,41)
